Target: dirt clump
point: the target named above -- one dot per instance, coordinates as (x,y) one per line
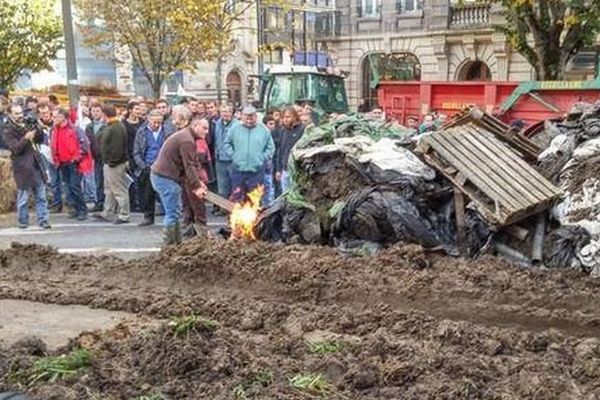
(402,324)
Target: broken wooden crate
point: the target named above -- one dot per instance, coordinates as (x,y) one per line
(503,187)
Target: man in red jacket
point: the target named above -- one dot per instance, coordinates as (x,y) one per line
(68,151)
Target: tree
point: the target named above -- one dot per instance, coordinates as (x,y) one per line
(163,36)
(30,37)
(549,33)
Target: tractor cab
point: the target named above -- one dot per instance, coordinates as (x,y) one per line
(324,87)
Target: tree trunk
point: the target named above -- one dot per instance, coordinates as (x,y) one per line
(219,73)
(156,85)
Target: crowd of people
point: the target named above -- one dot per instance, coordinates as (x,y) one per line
(149,157)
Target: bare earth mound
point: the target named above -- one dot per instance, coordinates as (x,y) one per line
(406,324)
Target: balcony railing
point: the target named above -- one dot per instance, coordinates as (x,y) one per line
(470,15)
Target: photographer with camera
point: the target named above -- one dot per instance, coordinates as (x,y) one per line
(28,167)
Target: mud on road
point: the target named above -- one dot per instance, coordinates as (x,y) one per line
(411,325)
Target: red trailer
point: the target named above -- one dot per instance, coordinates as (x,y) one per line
(529,101)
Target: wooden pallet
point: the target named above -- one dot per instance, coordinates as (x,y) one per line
(504,187)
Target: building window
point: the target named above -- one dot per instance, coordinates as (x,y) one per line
(370,8)
(408,6)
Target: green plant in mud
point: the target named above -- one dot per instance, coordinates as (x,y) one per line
(183,325)
(313,383)
(155,396)
(262,378)
(54,368)
(239,393)
(325,346)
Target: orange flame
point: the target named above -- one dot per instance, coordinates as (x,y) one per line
(244,215)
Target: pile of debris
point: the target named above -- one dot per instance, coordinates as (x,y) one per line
(572,162)
(475,187)
(8,189)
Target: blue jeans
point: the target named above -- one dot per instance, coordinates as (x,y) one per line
(243,183)
(99,178)
(286,181)
(41,204)
(269,195)
(89,187)
(72,179)
(169,192)
(55,186)
(223,178)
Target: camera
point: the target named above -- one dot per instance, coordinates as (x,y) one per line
(31,122)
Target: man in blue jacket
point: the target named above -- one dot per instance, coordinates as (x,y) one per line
(149,140)
(250,146)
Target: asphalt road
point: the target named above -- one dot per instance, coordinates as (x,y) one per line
(95,237)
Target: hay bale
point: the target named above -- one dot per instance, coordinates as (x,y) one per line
(8,188)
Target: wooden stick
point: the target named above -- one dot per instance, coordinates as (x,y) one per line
(219,201)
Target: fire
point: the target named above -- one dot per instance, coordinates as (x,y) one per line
(244,215)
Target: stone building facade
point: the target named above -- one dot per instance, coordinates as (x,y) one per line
(450,42)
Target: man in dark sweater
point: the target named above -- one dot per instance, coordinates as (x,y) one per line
(113,149)
(132,123)
(176,166)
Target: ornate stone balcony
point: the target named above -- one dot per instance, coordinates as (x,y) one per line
(469,15)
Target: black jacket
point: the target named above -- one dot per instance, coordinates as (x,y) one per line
(28,167)
(287,140)
(94,142)
(131,132)
(113,144)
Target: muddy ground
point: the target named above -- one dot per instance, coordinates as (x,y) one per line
(412,325)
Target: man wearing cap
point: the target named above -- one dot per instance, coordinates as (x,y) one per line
(176,167)
(249,145)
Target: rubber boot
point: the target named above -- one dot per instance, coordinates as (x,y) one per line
(177,233)
(168,238)
(188,232)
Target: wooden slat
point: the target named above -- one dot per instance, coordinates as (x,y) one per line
(532,175)
(219,201)
(494,176)
(446,150)
(499,216)
(481,169)
(526,177)
(500,174)
(512,176)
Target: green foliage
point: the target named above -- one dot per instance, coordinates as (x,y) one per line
(30,37)
(239,393)
(155,396)
(313,383)
(325,346)
(262,378)
(55,368)
(550,33)
(184,325)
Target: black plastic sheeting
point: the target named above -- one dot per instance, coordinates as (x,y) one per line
(376,217)
(562,245)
